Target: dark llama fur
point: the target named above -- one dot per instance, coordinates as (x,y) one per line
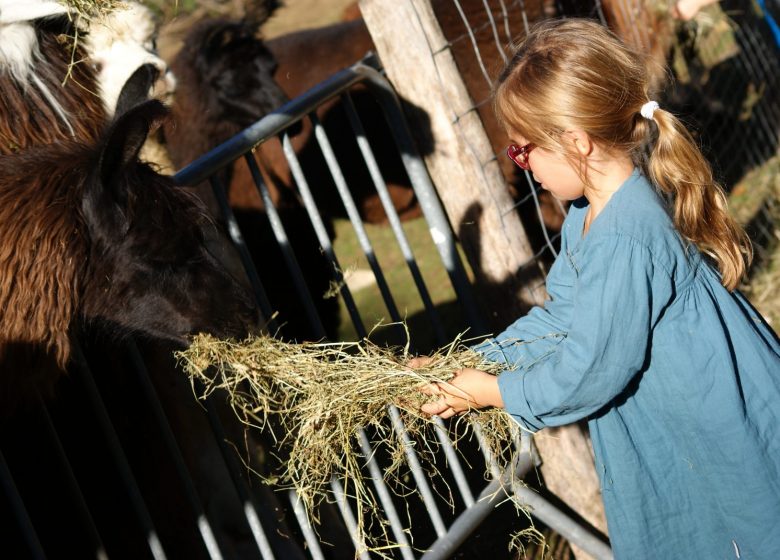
(91,232)
(90,235)
(225,83)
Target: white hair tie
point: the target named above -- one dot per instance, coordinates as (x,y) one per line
(648,109)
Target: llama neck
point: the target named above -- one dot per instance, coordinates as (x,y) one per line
(42,250)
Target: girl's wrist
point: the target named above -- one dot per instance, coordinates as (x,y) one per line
(493,393)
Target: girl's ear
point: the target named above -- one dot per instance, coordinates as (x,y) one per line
(580,141)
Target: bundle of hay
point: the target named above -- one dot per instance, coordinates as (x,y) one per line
(91,8)
(322,395)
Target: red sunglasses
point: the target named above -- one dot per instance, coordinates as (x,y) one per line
(519,154)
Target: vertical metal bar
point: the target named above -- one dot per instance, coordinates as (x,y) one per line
(454,461)
(441,433)
(493,494)
(439,225)
(284,245)
(384,498)
(446,545)
(423,485)
(169,441)
(118,455)
(322,233)
(244,495)
(246,258)
(29,535)
(304,522)
(361,551)
(392,216)
(354,216)
(487,453)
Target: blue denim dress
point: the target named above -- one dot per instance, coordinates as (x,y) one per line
(678,378)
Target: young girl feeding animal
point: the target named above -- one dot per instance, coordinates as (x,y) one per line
(643,333)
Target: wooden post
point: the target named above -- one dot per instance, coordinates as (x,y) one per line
(421,67)
(462,165)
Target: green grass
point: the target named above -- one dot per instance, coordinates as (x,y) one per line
(369,301)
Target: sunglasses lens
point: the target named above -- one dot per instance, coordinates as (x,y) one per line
(518,155)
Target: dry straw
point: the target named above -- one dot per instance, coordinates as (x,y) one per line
(319,396)
(92,8)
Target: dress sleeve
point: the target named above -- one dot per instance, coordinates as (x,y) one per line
(617,298)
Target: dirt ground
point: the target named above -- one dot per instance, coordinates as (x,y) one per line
(295,15)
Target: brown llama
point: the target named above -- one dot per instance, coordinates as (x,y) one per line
(90,235)
(54,87)
(90,232)
(36,107)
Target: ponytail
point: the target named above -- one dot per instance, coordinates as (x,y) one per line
(700,213)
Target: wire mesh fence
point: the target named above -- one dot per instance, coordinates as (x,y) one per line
(723,81)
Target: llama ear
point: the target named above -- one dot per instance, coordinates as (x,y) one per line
(219,37)
(137,87)
(105,205)
(124,141)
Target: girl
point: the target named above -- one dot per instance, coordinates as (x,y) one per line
(643,333)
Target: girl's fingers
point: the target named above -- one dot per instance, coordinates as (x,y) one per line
(455,391)
(449,413)
(439,408)
(436,407)
(419,361)
(431,389)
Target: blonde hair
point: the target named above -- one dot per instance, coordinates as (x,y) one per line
(575,74)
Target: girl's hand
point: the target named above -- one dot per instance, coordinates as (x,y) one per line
(469,388)
(686,10)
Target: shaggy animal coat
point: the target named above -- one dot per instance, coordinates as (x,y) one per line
(51,87)
(28,116)
(89,230)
